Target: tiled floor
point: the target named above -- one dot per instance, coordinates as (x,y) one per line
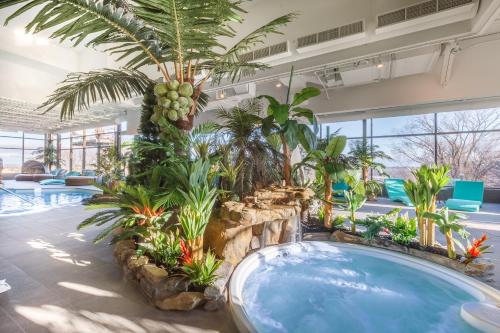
(61,282)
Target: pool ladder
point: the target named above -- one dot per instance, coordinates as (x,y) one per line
(18,196)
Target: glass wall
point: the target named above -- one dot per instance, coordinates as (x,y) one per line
(18,147)
(468,141)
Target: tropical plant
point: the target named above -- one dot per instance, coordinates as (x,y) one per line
(110,165)
(373,189)
(374,224)
(244,146)
(284,120)
(404,229)
(367,155)
(135,211)
(181,38)
(195,215)
(355,196)
(476,249)
(47,154)
(423,192)
(448,224)
(201,273)
(329,162)
(162,246)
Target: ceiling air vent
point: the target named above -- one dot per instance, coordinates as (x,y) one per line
(419,10)
(265,52)
(331,35)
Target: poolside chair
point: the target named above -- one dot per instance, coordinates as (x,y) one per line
(467,196)
(339,188)
(396,191)
(61,179)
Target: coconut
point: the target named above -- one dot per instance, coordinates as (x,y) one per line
(172,115)
(172,95)
(160,89)
(175,105)
(186,89)
(173,85)
(165,102)
(183,101)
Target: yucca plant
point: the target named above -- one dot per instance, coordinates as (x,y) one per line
(448,224)
(355,196)
(181,38)
(195,215)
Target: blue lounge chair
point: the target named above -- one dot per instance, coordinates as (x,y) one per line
(467,196)
(339,188)
(59,181)
(396,191)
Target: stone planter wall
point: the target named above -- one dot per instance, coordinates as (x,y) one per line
(270,217)
(170,292)
(479,268)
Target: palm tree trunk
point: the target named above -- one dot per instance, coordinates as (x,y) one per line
(431,229)
(353,220)
(287,163)
(365,174)
(328,201)
(421,230)
(451,246)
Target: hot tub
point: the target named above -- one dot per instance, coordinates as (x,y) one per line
(331,287)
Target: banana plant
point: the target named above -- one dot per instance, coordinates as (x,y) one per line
(331,164)
(448,224)
(355,196)
(284,120)
(180,38)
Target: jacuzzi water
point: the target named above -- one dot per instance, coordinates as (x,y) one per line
(338,289)
(39,200)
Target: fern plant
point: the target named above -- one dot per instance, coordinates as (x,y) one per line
(180,38)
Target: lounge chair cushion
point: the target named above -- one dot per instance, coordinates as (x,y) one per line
(40,177)
(396,191)
(52,182)
(463,205)
(469,190)
(80,181)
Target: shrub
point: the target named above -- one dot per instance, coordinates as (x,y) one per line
(163,247)
(404,229)
(201,273)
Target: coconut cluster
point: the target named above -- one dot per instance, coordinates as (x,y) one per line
(174,100)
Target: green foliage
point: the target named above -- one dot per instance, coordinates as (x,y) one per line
(373,188)
(367,156)
(202,273)
(185,34)
(403,229)
(47,154)
(376,223)
(195,213)
(132,212)
(243,145)
(110,164)
(163,246)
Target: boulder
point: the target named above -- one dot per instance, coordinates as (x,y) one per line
(218,288)
(229,240)
(153,273)
(184,301)
(136,262)
(171,286)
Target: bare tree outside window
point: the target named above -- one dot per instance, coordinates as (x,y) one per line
(465,141)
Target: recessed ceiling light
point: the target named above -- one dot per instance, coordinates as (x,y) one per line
(380,65)
(279,85)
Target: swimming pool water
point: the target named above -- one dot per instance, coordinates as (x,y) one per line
(344,290)
(41,199)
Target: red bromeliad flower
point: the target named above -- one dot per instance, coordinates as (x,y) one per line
(476,249)
(186,253)
(148,212)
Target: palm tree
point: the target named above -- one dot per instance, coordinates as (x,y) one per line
(257,161)
(331,164)
(367,155)
(447,224)
(181,38)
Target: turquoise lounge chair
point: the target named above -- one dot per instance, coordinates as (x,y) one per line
(396,191)
(339,188)
(59,181)
(467,196)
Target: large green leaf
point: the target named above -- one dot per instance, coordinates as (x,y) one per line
(273,103)
(291,133)
(304,112)
(336,146)
(307,138)
(304,95)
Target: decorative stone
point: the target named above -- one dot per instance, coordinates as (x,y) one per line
(147,288)
(171,286)
(135,262)
(229,240)
(153,273)
(183,301)
(122,246)
(125,255)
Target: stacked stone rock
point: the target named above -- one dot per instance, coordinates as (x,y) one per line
(170,292)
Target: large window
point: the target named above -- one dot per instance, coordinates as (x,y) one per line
(17,148)
(467,141)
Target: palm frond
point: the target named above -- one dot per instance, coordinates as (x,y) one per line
(79,90)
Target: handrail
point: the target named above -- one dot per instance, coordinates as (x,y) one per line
(18,196)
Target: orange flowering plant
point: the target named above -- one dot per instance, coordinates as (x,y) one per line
(476,249)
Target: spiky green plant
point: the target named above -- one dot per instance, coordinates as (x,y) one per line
(201,273)
(355,196)
(181,38)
